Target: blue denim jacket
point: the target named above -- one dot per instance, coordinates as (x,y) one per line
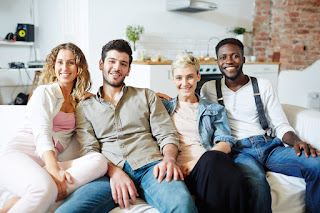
(212,122)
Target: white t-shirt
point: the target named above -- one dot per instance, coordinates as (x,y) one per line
(185,120)
(242,112)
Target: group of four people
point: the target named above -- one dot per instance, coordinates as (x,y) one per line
(135,145)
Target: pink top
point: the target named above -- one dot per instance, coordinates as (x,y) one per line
(63,121)
(185,121)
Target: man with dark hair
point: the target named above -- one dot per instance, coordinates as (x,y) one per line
(131,127)
(253,109)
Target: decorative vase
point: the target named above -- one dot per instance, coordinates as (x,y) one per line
(240,37)
(135,55)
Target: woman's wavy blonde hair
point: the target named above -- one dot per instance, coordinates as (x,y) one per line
(82,82)
(183,60)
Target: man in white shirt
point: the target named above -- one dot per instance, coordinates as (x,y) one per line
(255,151)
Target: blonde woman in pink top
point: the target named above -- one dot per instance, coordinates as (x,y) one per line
(29,163)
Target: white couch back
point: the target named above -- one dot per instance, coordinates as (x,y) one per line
(13,118)
(283,188)
(294,86)
(305,122)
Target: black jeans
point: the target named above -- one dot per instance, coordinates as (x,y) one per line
(218,185)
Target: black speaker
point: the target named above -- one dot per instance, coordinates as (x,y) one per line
(25,32)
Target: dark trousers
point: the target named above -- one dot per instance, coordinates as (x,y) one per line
(218,185)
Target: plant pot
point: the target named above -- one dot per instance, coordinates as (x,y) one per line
(240,37)
(135,55)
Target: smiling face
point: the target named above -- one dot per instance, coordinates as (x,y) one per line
(115,68)
(65,68)
(230,61)
(186,79)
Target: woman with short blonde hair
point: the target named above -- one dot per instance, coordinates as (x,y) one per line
(184,60)
(205,141)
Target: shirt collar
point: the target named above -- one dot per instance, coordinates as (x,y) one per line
(99,93)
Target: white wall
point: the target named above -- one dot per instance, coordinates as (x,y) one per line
(51,22)
(165,31)
(62,21)
(92,23)
(296,86)
(11,13)
(99,21)
(54,22)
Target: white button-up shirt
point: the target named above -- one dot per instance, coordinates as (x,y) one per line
(242,112)
(43,106)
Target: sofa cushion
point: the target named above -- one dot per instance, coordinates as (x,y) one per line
(306,123)
(287,192)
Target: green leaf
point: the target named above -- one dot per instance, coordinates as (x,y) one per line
(133,33)
(239,30)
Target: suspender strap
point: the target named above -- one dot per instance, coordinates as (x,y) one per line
(219,93)
(262,117)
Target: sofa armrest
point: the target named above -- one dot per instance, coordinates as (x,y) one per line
(12,119)
(306,122)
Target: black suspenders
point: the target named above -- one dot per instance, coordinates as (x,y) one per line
(262,116)
(219,94)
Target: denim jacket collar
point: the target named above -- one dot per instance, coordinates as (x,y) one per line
(203,106)
(207,113)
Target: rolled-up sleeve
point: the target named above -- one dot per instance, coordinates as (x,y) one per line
(275,113)
(40,111)
(84,133)
(161,124)
(222,128)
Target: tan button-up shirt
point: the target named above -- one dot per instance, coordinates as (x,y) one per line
(135,130)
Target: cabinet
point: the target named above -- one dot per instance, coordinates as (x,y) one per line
(155,77)
(268,71)
(159,77)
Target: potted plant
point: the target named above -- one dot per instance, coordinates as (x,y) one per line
(239,31)
(133,33)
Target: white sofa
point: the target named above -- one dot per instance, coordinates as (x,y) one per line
(287,192)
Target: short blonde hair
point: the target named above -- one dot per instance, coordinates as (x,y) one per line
(82,82)
(183,60)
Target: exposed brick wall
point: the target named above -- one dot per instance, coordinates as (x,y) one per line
(291,27)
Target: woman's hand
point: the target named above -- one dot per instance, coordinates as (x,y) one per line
(86,95)
(186,168)
(163,96)
(59,176)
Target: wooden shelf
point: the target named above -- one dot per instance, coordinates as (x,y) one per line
(23,69)
(210,62)
(16,43)
(16,77)
(147,62)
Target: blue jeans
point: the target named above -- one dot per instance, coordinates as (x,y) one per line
(256,154)
(96,196)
